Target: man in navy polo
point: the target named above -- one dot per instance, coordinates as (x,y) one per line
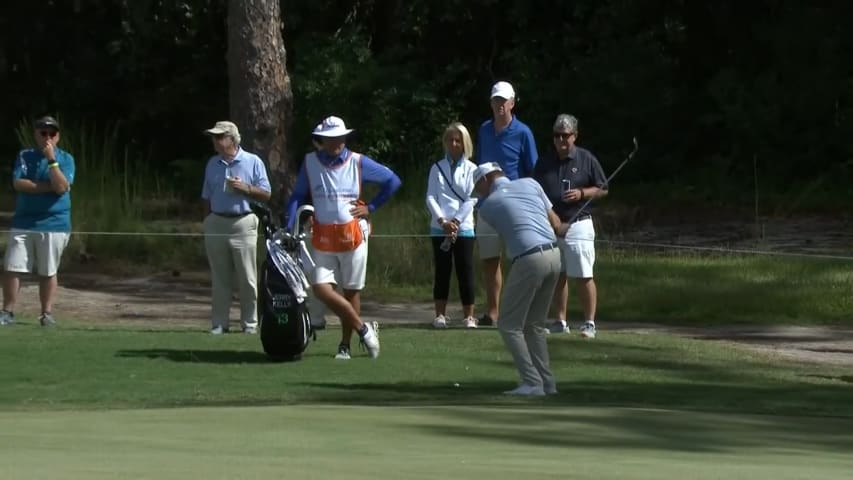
(571,175)
(522,215)
(507,141)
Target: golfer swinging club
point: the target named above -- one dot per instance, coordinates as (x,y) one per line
(521,213)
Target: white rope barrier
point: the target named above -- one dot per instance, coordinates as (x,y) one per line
(648,245)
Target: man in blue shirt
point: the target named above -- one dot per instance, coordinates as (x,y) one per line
(331,179)
(41,226)
(232,178)
(507,141)
(522,216)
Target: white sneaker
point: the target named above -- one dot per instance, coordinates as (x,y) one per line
(440,322)
(371,339)
(559,326)
(525,390)
(588,330)
(218,330)
(250,330)
(470,322)
(343,353)
(6,317)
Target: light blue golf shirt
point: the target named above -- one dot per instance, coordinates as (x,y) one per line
(518,210)
(251,170)
(514,148)
(42,212)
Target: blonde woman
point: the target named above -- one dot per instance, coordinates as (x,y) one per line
(449,201)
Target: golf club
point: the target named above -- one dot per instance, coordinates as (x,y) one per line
(607,182)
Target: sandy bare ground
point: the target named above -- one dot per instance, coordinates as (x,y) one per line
(163,301)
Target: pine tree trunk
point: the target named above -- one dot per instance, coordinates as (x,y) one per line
(260,98)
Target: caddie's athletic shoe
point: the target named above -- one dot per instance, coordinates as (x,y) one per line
(525,390)
(470,322)
(588,330)
(6,317)
(558,326)
(370,340)
(218,330)
(250,330)
(486,321)
(440,322)
(47,320)
(343,352)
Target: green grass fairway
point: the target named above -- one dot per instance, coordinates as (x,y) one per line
(378,443)
(84,402)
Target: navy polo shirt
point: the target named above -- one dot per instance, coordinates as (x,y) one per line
(581,169)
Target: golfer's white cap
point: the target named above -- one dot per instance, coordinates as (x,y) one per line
(485,169)
(332,127)
(503,90)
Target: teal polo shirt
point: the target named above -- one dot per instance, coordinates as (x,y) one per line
(42,212)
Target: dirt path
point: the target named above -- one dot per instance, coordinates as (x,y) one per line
(159,301)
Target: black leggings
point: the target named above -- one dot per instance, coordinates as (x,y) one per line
(463,252)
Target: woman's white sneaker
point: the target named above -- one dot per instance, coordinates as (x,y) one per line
(440,322)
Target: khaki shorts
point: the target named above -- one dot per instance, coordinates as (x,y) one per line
(41,250)
(578,250)
(488,241)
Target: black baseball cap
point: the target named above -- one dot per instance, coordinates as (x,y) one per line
(47,122)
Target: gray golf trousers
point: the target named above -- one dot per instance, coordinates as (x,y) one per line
(527,294)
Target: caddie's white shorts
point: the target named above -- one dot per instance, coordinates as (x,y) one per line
(41,250)
(489,243)
(578,249)
(351,268)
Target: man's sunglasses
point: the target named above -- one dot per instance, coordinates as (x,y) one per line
(48,133)
(562,136)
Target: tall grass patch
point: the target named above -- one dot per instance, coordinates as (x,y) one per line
(118,202)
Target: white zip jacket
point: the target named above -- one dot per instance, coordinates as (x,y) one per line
(440,199)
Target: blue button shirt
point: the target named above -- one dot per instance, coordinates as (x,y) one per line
(42,212)
(514,148)
(371,172)
(248,166)
(518,210)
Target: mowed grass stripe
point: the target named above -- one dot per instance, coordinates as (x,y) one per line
(376,443)
(68,368)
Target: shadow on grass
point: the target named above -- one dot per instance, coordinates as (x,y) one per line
(643,429)
(787,399)
(197,356)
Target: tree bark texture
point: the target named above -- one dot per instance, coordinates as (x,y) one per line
(260,96)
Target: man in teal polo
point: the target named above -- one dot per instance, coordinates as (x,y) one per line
(42,178)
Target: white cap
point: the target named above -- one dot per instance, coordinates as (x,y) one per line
(485,169)
(503,90)
(332,127)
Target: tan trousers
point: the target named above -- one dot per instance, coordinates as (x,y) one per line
(527,294)
(231,245)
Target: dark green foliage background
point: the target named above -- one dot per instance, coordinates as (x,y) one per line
(716,91)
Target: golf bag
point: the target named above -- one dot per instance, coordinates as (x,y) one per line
(285,322)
